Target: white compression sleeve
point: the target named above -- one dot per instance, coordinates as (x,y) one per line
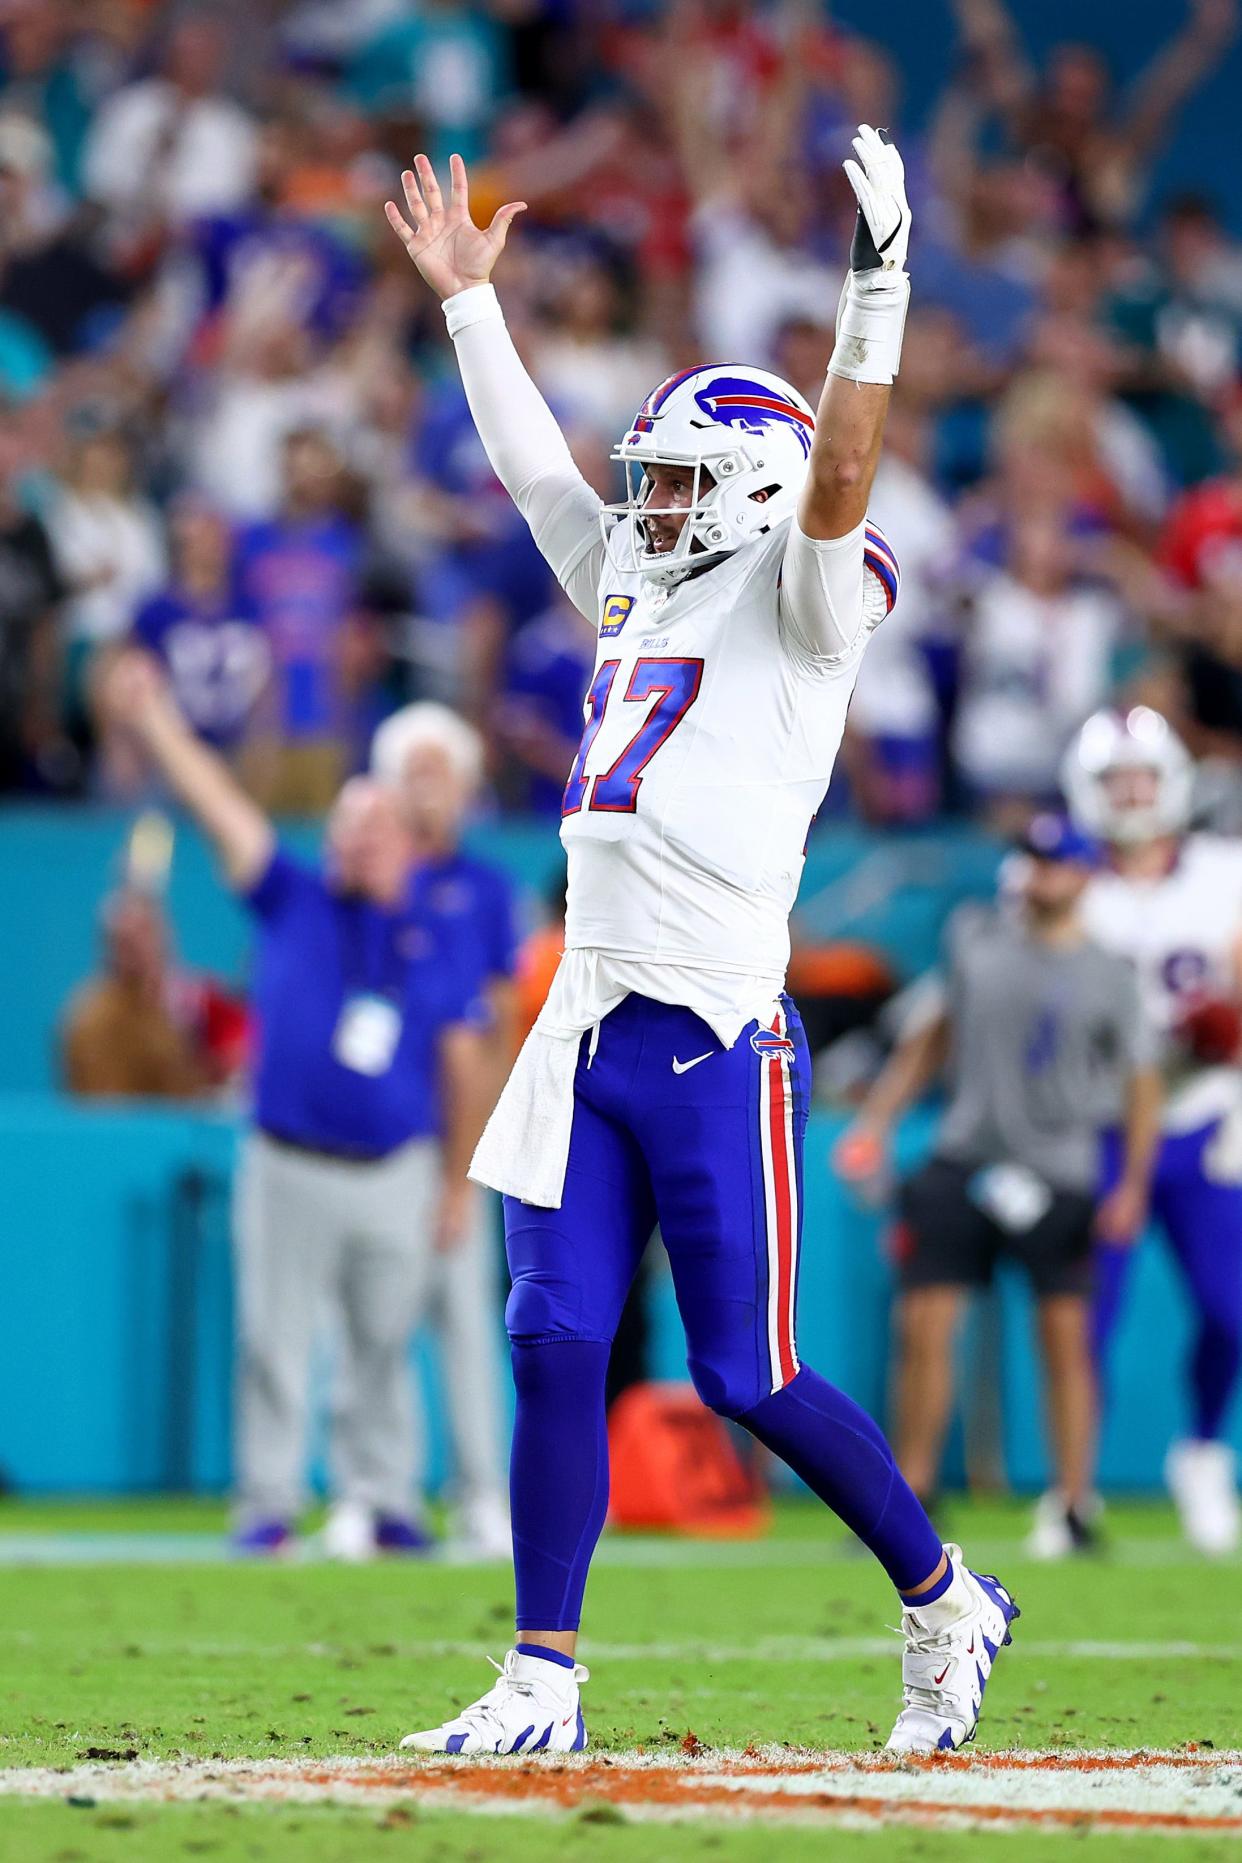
(824,609)
(526,447)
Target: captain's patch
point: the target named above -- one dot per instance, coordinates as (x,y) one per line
(616,612)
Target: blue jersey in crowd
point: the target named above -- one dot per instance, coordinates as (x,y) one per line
(549,668)
(504,564)
(216,655)
(234,251)
(302,580)
(350,1004)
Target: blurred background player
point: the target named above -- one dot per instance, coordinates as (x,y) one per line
(1043,1040)
(370,1082)
(434,761)
(1171,902)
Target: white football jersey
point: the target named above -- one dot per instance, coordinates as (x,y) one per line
(713,720)
(710,738)
(1182,931)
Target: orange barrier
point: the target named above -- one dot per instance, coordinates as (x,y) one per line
(675,1466)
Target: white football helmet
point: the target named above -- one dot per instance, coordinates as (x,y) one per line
(750,430)
(1128,777)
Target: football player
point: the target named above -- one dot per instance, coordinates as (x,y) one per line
(1041,1035)
(667,1078)
(1172,902)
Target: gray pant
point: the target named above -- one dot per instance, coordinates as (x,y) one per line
(462,1306)
(345,1247)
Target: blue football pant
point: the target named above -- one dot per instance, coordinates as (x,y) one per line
(1202,1220)
(670,1126)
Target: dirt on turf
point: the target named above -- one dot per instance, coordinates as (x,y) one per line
(1187,1791)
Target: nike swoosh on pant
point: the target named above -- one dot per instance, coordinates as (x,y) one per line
(683,1067)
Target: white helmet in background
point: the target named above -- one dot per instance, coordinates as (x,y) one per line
(747,428)
(1128,777)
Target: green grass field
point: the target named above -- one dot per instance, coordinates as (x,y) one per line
(779,1642)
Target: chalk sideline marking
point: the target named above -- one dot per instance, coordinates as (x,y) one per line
(1184,1792)
(71,1549)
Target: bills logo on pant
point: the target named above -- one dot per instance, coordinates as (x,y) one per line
(771,1045)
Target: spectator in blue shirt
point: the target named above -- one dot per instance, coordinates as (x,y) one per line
(225,257)
(493,552)
(434,760)
(370,1081)
(547,671)
(300,574)
(204,631)
(483,575)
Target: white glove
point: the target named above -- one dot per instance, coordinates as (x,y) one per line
(871,318)
(878,178)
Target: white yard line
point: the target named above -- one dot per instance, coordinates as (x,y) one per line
(640,1552)
(777,1649)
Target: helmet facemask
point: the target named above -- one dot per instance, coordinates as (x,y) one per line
(704,537)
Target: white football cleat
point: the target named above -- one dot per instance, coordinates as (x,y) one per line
(1058,1530)
(349,1533)
(1202,1478)
(533,1708)
(483,1526)
(946,1666)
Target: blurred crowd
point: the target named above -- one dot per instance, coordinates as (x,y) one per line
(230,428)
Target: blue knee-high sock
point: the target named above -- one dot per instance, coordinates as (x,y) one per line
(1110,1268)
(1214,1364)
(844,1458)
(558,1476)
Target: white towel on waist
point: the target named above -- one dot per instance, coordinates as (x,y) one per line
(524,1149)
(525,1144)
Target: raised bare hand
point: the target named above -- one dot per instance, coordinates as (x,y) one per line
(450,251)
(130,688)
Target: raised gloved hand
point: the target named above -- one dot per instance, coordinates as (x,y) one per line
(878,178)
(871,318)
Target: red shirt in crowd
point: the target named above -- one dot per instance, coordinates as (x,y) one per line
(1202,543)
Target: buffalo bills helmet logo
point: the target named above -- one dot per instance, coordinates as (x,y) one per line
(732,401)
(770,1045)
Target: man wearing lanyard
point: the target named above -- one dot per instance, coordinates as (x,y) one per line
(369,1089)
(434,760)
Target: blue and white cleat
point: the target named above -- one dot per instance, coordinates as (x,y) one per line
(946,1665)
(533,1708)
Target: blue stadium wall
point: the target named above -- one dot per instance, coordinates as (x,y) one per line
(115,1352)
